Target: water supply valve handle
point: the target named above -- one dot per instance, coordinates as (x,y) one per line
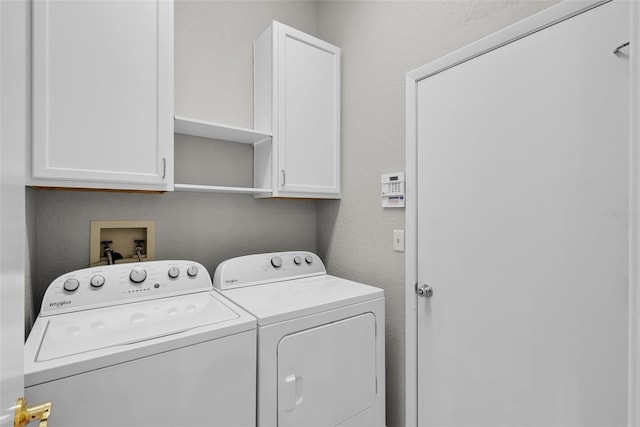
(25,414)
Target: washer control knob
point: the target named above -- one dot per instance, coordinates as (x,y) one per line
(192,271)
(174,272)
(97,281)
(276,262)
(138,275)
(71,285)
(308,259)
(297,260)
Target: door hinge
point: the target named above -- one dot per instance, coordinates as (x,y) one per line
(24,413)
(284,178)
(164,167)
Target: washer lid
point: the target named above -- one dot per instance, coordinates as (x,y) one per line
(280,301)
(79,332)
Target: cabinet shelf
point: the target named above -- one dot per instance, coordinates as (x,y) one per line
(211,130)
(204,129)
(220,189)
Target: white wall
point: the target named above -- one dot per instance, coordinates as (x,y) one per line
(381,42)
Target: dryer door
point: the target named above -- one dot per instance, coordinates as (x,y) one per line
(327,374)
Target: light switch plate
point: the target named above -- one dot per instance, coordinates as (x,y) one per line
(398,240)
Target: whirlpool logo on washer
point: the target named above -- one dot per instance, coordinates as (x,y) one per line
(230,281)
(58,304)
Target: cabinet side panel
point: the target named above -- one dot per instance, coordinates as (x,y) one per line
(262,160)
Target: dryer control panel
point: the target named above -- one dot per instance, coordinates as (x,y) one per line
(259,269)
(109,285)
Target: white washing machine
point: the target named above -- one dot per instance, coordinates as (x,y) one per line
(320,340)
(148,344)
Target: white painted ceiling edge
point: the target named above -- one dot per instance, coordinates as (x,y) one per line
(537,22)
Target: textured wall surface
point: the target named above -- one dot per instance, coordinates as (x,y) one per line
(381,42)
(31,264)
(188,226)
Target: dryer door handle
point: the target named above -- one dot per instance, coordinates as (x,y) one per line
(292,392)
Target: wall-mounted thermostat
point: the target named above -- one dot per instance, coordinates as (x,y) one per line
(393,190)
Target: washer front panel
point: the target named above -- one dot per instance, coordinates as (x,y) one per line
(162,389)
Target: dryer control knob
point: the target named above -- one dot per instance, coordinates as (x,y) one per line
(192,271)
(297,260)
(276,262)
(71,285)
(308,259)
(138,275)
(174,272)
(97,281)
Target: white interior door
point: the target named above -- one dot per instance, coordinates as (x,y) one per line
(13,73)
(523,230)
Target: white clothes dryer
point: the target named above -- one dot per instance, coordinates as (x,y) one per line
(320,340)
(146,344)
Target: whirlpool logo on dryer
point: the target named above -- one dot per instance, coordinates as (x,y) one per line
(58,304)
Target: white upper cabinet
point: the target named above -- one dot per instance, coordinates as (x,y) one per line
(103,94)
(297,100)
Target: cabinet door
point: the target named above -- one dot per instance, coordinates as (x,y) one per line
(103,94)
(307,115)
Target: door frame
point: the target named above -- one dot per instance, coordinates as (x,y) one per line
(14,138)
(528,26)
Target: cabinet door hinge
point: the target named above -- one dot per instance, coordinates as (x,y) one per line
(284,178)
(164,167)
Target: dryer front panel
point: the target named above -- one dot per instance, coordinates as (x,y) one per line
(327,374)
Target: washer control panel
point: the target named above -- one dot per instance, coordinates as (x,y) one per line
(251,270)
(109,285)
